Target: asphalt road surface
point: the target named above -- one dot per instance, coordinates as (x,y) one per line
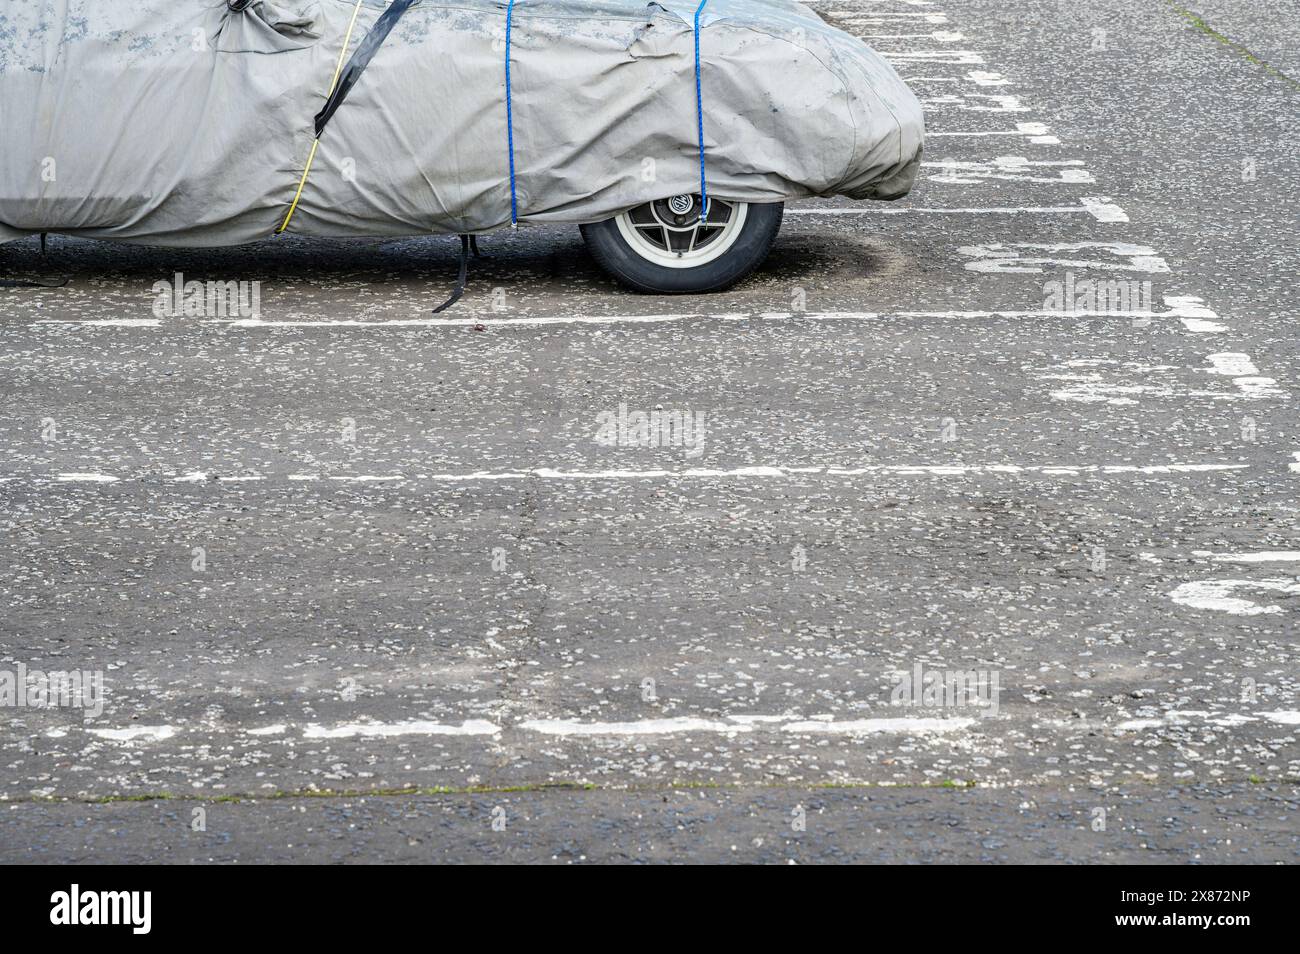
(364,584)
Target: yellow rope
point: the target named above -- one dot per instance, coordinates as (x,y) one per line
(338,71)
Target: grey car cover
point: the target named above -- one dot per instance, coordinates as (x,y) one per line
(192,122)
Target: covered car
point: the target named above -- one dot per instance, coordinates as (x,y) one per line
(662,126)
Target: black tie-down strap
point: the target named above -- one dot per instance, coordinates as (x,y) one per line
(24,283)
(366,51)
(349,78)
(468,244)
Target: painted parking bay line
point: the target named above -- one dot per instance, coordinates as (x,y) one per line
(1190,310)
(754,472)
(1009,169)
(772,726)
(1038,134)
(974,77)
(1100,208)
(1259,556)
(1031,257)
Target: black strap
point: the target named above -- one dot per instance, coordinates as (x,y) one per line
(466,243)
(22,283)
(361,59)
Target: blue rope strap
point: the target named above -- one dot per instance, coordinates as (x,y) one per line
(510,124)
(699,114)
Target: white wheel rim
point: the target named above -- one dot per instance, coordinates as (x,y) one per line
(661,234)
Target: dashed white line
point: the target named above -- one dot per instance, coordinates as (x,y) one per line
(388,730)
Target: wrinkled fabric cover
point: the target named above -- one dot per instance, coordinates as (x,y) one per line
(179,122)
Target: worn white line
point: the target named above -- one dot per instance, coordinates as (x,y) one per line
(1038,134)
(976,77)
(974,102)
(1031,257)
(879,726)
(941,36)
(1245,376)
(1261,556)
(1226,720)
(149,733)
(1216,595)
(858,17)
(77,478)
(104,322)
(769,726)
(572,727)
(960,57)
(1099,207)
(1181,307)
(388,730)
(761,472)
(1010,169)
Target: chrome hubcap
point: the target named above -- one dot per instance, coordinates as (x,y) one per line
(670,232)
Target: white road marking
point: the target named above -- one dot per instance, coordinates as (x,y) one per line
(730,725)
(1103,210)
(859,18)
(1192,311)
(975,102)
(1099,207)
(941,36)
(1036,133)
(1053,470)
(1110,381)
(1231,363)
(974,77)
(878,726)
(767,472)
(1261,556)
(1226,720)
(1245,375)
(1011,169)
(1182,307)
(571,727)
(961,57)
(151,733)
(85,478)
(278,729)
(1020,258)
(200,476)
(105,322)
(1216,595)
(388,730)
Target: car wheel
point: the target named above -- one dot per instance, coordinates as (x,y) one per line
(665,248)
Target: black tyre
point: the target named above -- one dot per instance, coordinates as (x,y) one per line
(663,248)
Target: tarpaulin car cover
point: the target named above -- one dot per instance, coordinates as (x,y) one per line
(192,122)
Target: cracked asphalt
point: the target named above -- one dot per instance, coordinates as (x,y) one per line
(366,586)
